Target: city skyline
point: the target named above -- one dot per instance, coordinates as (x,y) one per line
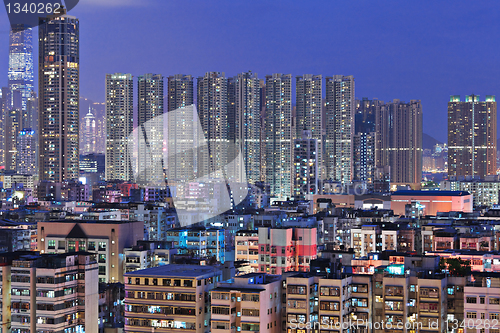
(250,167)
(408,56)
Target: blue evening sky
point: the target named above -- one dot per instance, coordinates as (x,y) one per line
(425,50)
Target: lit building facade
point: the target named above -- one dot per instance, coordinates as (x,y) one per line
(244,125)
(484,192)
(12,120)
(212,99)
(308,113)
(433,201)
(399,141)
(119,126)
(247,249)
(287,249)
(199,242)
(58,75)
(170,298)
(107,239)
(26,152)
(340,110)
(472,136)
(50,293)
(181,132)
(278,133)
(305,165)
(89,133)
(364,158)
(150,110)
(257,300)
(20,72)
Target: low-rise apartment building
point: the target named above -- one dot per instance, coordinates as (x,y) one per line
(250,302)
(286,249)
(107,239)
(247,250)
(49,293)
(169,298)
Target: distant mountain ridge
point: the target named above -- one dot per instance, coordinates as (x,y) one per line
(428,142)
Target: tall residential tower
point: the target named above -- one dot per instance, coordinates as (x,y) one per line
(119,126)
(399,141)
(309,111)
(278,129)
(213,115)
(150,111)
(181,130)
(59,75)
(340,109)
(472,136)
(244,124)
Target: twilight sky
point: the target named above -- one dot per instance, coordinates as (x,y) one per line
(423,50)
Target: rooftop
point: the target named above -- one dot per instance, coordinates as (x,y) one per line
(433,193)
(176,270)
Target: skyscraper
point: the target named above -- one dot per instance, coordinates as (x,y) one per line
(4,106)
(180,91)
(399,142)
(309,110)
(150,110)
(472,136)
(181,132)
(89,133)
(340,109)
(365,117)
(305,165)
(58,75)
(364,141)
(12,128)
(364,156)
(21,65)
(244,124)
(213,115)
(119,125)
(26,152)
(278,129)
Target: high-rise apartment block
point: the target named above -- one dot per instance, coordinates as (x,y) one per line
(119,126)
(305,165)
(309,111)
(340,112)
(150,111)
(213,115)
(26,152)
(182,137)
(20,72)
(364,141)
(278,132)
(12,119)
(244,125)
(364,156)
(472,136)
(58,75)
(399,141)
